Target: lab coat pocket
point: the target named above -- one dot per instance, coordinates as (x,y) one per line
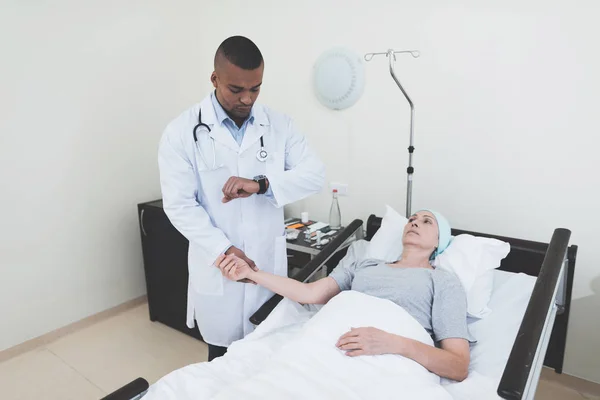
(280,256)
(204,277)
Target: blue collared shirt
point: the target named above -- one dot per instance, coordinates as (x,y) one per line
(223,118)
(236,132)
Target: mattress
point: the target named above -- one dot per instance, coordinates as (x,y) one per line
(495,335)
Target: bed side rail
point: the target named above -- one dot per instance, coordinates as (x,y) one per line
(310,269)
(132,391)
(541,307)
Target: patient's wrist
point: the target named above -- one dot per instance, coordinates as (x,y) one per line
(400,345)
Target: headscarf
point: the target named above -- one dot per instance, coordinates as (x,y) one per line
(444,232)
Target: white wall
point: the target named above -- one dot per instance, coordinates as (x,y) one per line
(505,130)
(84,96)
(505,124)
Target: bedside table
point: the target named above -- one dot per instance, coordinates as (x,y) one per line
(301,252)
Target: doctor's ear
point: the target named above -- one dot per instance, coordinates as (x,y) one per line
(213,79)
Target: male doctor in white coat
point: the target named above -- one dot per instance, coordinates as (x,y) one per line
(227,167)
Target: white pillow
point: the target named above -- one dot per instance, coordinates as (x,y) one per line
(386,244)
(471,258)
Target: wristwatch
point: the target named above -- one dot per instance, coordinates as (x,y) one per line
(262,183)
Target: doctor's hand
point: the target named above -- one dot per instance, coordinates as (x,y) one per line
(234,268)
(238,188)
(366,341)
(240,254)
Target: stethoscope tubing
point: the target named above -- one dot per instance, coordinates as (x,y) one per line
(261,155)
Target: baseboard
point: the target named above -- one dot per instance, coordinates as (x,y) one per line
(50,337)
(572,382)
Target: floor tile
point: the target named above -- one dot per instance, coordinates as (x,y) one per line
(39,374)
(589,390)
(548,390)
(127,346)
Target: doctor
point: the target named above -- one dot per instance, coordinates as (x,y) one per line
(227,167)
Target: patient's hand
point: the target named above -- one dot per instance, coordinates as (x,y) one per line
(234,268)
(366,341)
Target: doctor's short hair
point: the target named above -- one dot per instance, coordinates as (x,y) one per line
(241,52)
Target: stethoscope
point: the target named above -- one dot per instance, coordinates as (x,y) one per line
(261,155)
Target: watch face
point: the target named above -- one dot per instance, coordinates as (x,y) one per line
(259,177)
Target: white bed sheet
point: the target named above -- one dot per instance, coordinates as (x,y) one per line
(495,335)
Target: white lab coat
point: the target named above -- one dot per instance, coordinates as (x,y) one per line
(192,194)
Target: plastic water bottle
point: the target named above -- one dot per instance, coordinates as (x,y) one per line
(335,216)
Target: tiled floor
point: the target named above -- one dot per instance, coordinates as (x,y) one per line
(552,390)
(98,359)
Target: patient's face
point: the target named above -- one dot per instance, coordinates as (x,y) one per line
(421,230)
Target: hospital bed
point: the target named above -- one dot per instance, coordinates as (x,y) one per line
(527,328)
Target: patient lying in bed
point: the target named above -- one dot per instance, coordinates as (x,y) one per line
(433,298)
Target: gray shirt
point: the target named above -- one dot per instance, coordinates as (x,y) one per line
(434,297)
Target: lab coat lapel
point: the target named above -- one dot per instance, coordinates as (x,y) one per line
(255,130)
(223,136)
(219,133)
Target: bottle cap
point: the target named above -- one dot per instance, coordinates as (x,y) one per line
(334,190)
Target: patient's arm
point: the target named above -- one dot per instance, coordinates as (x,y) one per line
(451,361)
(319,292)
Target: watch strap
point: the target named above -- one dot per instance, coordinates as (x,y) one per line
(262,184)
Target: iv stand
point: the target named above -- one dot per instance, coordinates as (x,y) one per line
(391,55)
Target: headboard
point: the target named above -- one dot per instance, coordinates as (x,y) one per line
(525,256)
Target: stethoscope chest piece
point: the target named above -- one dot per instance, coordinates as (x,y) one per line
(262,155)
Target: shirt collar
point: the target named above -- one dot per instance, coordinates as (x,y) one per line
(222,115)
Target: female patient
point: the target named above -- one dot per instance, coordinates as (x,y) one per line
(434,297)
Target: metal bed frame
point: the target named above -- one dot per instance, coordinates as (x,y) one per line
(542,335)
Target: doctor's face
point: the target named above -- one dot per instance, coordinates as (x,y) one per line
(237,88)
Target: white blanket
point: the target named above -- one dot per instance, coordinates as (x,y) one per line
(300,361)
